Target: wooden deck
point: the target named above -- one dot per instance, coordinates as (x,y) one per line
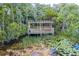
(40,27)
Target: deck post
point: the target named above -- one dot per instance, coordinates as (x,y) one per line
(40,29)
(52,29)
(28,27)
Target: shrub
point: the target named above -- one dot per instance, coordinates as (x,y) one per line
(2,35)
(14,30)
(75,33)
(72,32)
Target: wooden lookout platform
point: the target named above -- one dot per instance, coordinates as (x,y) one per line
(40,27)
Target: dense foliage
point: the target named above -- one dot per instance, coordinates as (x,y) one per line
(14,18)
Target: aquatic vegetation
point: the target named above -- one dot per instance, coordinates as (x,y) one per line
(65,48)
